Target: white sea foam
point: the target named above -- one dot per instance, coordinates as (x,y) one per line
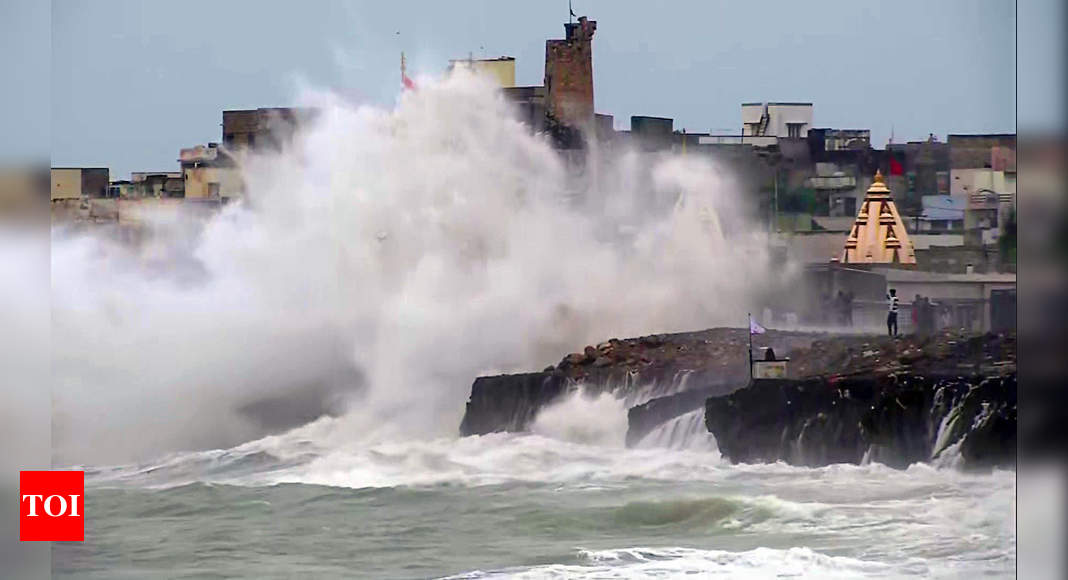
(582,417)
(676,562)
(687,431)
(919,521)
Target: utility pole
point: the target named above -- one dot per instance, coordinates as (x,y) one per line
(749,330)
(775,202)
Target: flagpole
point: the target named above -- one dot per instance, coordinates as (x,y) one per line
(750,331)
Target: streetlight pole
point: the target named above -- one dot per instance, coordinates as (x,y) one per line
(775,202)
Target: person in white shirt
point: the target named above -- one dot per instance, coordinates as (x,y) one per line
(891,315)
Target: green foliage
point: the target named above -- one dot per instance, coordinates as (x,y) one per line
(801,200)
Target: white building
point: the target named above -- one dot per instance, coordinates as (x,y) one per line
(763,124)
(988,195)
(782,120)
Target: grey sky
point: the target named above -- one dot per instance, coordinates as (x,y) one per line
(132,81)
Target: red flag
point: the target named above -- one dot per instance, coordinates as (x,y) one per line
(408,83)
(895,167)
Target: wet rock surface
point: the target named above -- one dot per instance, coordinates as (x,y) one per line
(949,397)
(896,419)
(637,369)
(509,402)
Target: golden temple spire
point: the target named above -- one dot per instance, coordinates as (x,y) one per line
(882,239)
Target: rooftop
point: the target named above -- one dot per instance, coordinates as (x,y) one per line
(499,58)
(779,103)
(943,207)
(897,275)
(981,135)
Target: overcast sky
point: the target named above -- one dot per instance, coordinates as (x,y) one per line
(132,81)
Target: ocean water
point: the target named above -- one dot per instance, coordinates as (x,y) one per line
(533,506)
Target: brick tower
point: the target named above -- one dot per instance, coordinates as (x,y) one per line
(569,75)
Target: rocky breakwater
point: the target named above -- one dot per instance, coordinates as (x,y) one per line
(636,369)
(948,399)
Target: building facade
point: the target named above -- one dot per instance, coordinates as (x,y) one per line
(782,120)
(79,182)
(501,69)
(209,173)
(264,128)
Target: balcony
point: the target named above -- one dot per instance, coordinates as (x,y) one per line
(832,182)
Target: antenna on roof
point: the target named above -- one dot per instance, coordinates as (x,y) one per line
(571,12)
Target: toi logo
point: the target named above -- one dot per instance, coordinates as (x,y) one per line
(51,506)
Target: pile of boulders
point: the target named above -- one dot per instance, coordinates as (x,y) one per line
(721,351)
(947,351)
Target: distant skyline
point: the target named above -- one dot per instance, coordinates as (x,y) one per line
(133,82)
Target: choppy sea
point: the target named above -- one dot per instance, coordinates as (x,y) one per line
(533,506)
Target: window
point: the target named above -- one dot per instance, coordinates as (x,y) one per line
(851,206)
(793,130)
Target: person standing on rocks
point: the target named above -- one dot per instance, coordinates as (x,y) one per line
(891,315)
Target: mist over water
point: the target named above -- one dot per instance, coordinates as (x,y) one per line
(380,263)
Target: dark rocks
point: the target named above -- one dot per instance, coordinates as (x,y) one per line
(892,419)
(575,358)
(509,402)
(653,340)
(847,398)
(643,367)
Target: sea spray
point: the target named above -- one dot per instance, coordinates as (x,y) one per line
(581,417)
(387,257)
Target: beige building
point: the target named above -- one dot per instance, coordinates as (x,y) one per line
(501,69)
(980,182)
(157,183)
(79,182)
(209,173)
(66,184)
(212,183)
(21,190)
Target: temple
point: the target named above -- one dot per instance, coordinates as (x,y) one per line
(878,235)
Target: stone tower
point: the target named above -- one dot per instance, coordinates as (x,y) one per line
(878,235)
(569,75)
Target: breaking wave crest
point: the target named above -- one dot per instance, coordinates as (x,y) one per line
(675,562)
(687,431)
(582,417)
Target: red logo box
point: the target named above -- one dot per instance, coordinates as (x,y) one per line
(52,506)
